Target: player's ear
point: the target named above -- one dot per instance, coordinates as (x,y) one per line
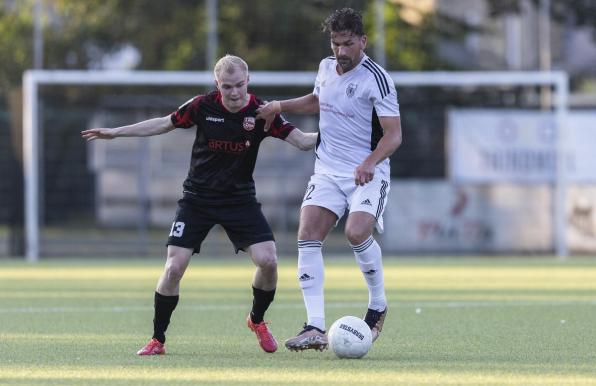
(363,41)
(247,78)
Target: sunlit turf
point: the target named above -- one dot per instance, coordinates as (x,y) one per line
(464,321)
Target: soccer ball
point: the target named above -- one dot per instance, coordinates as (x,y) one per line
(350,337)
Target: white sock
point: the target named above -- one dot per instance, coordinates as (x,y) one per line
(311,276)
(368,256)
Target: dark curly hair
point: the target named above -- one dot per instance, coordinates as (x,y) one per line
(345,19)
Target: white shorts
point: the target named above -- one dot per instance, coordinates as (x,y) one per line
(338,193)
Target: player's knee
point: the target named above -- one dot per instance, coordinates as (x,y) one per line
(174,271)
(268,261)
(357,235)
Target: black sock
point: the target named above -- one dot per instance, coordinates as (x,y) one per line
(164,306)
(260,302)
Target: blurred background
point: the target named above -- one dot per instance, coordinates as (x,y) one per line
(476,172)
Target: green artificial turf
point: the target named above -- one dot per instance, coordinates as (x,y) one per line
(451,321)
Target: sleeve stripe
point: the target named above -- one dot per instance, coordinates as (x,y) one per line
(379,71)
(381,89)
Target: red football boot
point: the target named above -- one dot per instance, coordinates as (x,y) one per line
(266,340)
(154,347)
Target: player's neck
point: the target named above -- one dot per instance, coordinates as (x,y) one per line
(235,109)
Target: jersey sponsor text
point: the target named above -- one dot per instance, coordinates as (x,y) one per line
(228,146)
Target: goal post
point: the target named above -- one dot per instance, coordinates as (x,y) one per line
(33,79)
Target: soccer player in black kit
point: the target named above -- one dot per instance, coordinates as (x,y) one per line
(219,189)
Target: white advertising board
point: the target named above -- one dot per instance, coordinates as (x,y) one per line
(496,145)
(439,216)
(445,217)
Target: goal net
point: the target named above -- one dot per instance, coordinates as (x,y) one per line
(484,168)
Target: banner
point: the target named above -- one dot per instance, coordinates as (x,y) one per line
(494,145)
(443,217)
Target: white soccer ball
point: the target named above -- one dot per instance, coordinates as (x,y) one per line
(350,337)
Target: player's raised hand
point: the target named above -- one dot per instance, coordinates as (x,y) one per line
(267,112)
(364,173)
(92,134)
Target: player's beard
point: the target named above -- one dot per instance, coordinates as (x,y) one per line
(346,64)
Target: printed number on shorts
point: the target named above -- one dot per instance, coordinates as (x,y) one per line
(309,190)
(177,229)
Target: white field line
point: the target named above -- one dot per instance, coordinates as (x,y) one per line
(471,304)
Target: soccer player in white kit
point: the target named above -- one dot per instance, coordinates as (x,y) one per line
(359,128)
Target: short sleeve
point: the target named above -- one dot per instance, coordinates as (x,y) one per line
(388,106)
(187,114)
(318,79)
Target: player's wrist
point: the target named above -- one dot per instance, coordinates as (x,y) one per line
(276,107)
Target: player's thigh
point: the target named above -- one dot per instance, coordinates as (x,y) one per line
(368,199)
(178,258)
(315,222)
(191,225)
(324,203)
(245,225)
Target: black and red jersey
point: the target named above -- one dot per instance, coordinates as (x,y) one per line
(225,149)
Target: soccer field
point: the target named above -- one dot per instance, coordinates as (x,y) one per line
(464,321)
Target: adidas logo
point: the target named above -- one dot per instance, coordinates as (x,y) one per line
(371,272)
(366,202)
(306,277)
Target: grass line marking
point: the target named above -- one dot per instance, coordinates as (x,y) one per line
(451,304)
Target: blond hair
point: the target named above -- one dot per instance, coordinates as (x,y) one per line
(229,64)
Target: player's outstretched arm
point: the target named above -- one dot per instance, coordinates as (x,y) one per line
(154,126)
(302,140)
(307,104)
(388,144)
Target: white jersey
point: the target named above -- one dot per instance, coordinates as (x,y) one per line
(350,105)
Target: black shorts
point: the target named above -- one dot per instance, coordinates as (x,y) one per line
(244,223)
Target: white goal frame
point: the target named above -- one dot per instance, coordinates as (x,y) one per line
(33,79)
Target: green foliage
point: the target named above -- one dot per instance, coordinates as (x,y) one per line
(269,34)
(408,47)
(277,35)
(16,27)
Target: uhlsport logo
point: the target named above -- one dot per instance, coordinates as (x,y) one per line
(214,119)
(355,332)
(249,123)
